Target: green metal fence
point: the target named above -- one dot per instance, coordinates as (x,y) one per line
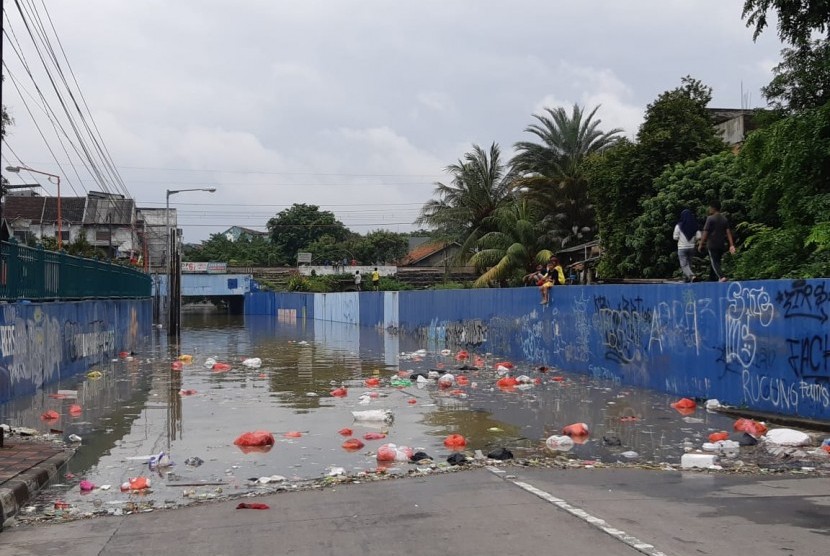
(37,274)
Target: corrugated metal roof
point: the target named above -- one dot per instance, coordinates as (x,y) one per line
(109,210)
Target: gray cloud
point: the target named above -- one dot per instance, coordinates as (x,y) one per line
(346,102)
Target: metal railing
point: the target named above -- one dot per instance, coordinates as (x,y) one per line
(36,274)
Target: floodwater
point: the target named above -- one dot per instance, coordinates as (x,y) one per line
(141,407)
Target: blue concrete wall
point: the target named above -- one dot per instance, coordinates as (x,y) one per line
(208,285)
(764,345)
(41,343)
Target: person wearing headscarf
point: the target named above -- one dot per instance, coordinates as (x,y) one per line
(686,233)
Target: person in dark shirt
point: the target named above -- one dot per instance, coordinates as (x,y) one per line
(716,232)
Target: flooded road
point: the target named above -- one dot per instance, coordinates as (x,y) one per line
(139,407)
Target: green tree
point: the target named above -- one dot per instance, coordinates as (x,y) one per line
(514,248)
(553,169)
(786,170)
(802,79)
(295,228)
(676,129)
(691,185)
(381,246)
(480,185)
(797,19)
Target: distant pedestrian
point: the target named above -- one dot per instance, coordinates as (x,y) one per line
(686,233)
(376,280)
(357,279)
(716,232)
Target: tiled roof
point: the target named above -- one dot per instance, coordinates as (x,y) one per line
(423,251)
(43,209)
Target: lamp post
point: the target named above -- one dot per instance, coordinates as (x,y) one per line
(172,247)
(17,169)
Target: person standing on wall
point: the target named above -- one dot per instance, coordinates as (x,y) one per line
(716,232)
(376,280)
(357,279)
(686,232)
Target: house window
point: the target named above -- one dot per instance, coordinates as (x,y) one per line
(64,235)
(102,235)
(21,236)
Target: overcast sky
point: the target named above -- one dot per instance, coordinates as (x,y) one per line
(356,106)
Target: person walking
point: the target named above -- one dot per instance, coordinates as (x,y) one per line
(357,279)
(376,280)
(716,232)
(686,233)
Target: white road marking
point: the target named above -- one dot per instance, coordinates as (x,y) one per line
(601,524)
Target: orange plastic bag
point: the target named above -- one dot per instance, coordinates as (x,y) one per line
(506,382)
(136,483)
(749,426)
(339,392)
(50,415)
(684,403)
(256,438)
(293,434)
(345,432)
(372,382)
(717,436)
(576,429)
(455,441)
(352,444)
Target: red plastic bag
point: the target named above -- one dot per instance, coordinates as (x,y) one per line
(374,436)
(339,392)
(177,365)
(252,506)
(576,430)
(293,434)
(749,426)
(684,403)
(75,410)
(221,367)
(455,441)
(506,382)
(50,415)
(462,380)
(256,438)
(345,432)
(505,364)
(717,436)
(411,401)
(390,452)
(462,355)
(352,444)
(187,392)
(372,382)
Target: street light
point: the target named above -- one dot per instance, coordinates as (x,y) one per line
(173,319)
(17,169)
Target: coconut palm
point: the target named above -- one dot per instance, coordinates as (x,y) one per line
(459,210)
(552,169)
(513,248)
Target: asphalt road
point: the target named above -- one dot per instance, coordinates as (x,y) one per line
(517,512)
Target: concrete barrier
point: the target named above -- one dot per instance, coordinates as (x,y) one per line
(763,345)
(41,343)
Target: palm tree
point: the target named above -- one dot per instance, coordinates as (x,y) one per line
(515,246)
(459,210)
(552,170)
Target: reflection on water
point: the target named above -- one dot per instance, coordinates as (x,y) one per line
(136,408)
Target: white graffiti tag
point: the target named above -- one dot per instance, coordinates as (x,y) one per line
(745,306)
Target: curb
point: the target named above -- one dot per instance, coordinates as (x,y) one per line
(19,490)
